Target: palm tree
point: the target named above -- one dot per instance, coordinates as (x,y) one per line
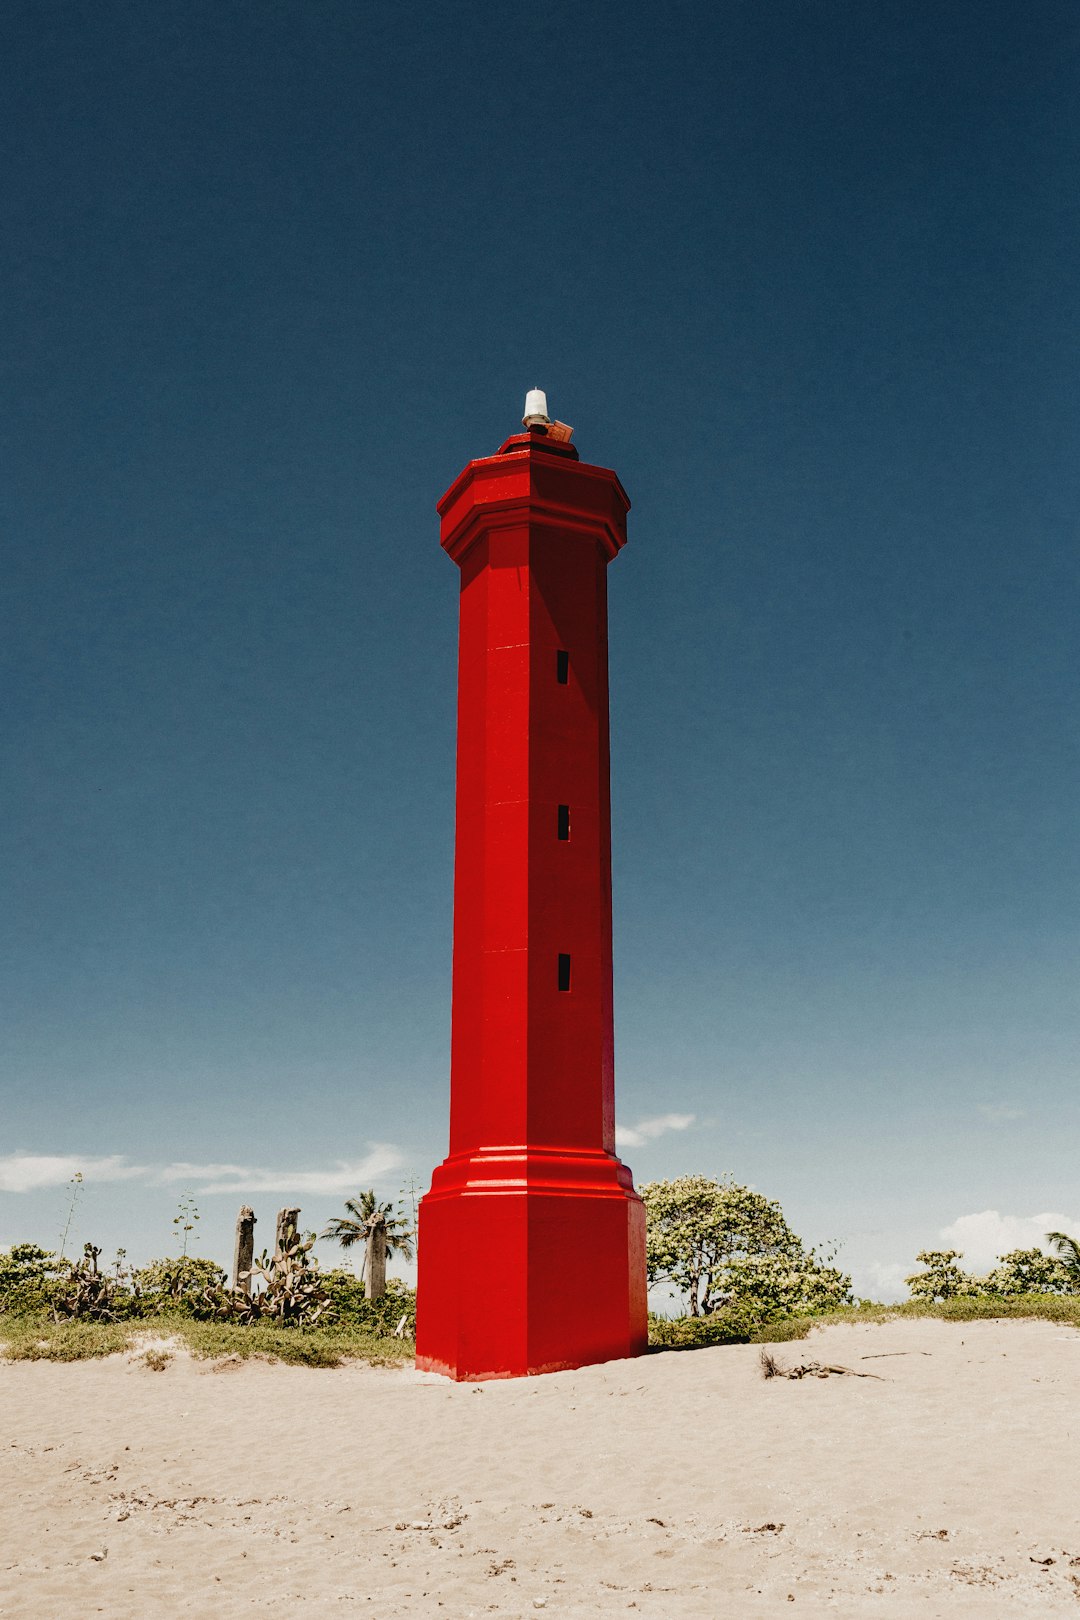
(1068,1252)
(363,1212)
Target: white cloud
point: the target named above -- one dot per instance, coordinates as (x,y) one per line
(27,1172)
(983,1237)
(637,1135)
(346,1176)
(1001,1113)
(882,1280)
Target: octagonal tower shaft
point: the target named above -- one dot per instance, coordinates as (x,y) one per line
(532,1239)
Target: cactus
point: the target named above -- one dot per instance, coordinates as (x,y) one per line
(292,1292)
(90,1294)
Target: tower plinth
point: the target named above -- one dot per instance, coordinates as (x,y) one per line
(532,1238)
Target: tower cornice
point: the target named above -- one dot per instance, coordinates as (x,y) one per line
(530,480)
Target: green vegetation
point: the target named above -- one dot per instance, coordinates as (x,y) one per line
(322,1346)
(745,1276)
(292,1292)
(346,1304)
(734,1327)
(362,1213)
(68,1311)
(691,1333)
(29,1276)
(186,1220)
(725,1247)
(1020,1272)
(37,1337)
(176,1285)
(1067,1250)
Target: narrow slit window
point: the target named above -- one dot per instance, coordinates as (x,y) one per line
(564,971)
(564,822)
(562,667)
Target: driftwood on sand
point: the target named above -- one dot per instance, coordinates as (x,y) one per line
(771,1368)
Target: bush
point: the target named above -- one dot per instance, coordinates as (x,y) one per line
(92,1295)
(1020,1273)
(176,1285)
(29,1277)
(773,1286)
(730,1325)
(346,1303)
(1029,1271)
(942,1278)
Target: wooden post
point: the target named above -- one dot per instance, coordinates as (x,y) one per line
(244,1252)
(287,1220)
(375,1287)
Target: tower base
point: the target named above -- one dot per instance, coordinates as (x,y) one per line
(531,1261)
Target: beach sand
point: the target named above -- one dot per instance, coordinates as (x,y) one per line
(674,1485)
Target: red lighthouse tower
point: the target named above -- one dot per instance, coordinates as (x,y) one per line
(532,1238)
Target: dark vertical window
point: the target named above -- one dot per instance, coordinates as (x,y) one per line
(564,822)
(564,971)
(562,667)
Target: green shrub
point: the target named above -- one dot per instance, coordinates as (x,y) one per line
(346,1303)
(733,1324)
(175,1285)
(794,1283)
(92,1295)
(942,1278)
(1029,1271)
(1021,1272)
(29,1276)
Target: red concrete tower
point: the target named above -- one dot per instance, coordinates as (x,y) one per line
(532,1238)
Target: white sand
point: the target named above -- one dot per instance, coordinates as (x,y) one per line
(675,1485)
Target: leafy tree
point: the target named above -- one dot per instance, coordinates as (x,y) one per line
(718,1244)
(942,1278)
(362,1213)
(788,1284)
(1021,1271)
(1067,1250)
(1028,1271)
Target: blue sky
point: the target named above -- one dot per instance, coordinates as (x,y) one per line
(806,278)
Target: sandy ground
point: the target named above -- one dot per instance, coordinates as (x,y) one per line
(675,1485)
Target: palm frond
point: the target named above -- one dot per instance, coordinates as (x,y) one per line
(364,1209)
(1067,1250)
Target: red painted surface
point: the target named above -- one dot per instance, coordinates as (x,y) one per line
(532,1239)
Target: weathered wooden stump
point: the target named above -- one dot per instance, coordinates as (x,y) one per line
(244,1252)
(375,1286)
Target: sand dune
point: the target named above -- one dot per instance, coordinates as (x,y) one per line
(676,1485)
